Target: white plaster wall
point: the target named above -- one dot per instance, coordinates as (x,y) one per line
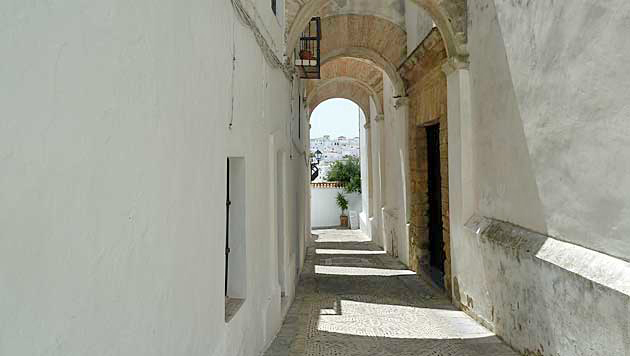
(556,130)
(324,209)
(418,24)
(271,26)
(113,136)
(544,296)
(395,139)
(377,204)
(365,176)
(549,103)
(573,89)
(391,10)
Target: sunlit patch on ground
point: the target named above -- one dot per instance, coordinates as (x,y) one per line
(354,300)
(396,321)
(330,251)
(361,271)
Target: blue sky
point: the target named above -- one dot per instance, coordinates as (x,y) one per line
(335,117)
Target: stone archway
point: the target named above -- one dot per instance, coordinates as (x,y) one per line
(373,39)
(450,16)
(363,72)
(345,89)
(417,79)
(373,58)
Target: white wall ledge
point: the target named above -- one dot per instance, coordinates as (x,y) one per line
(604,270)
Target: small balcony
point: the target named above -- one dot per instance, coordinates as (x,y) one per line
(306,56)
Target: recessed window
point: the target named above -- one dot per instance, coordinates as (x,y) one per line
(280,221)
(235,237)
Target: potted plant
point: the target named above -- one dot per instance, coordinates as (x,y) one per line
(342,203)
(305,54)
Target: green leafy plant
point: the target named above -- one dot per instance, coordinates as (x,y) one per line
(342,203)
(348,173)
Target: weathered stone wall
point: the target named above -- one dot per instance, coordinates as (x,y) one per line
(543,296)
(427,104)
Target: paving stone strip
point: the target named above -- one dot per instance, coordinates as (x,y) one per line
(354,300)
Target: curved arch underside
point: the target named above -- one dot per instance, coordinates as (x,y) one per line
(365,73)
(448,15)
(344,89)
(390,10)
(369,38)
(374,33)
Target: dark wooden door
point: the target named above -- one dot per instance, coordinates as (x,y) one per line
(436,239)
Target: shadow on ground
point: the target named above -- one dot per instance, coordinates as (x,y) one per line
(354,300)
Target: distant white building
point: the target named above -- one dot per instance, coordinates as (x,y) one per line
(334,149)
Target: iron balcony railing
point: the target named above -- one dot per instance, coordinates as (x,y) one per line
(306,56)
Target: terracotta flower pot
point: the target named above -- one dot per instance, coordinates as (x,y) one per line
(306,54)
(344,220)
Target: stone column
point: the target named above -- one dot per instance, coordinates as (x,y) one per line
(402,113)
(379,125)
(460,157)
(370,175)
(376,135)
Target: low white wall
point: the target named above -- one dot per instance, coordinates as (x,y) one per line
(541,295)
(324,209)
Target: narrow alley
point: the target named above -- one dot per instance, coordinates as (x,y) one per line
(172,173)
(355,300)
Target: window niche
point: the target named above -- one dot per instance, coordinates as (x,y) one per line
(235,237)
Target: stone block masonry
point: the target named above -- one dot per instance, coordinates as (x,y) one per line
(427,105)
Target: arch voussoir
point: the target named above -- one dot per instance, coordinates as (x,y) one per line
(344,88)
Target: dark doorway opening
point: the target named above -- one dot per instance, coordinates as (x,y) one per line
(436,238)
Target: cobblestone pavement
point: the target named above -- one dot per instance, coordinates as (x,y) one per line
(353,300)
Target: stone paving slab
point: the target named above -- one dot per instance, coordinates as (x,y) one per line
(354,300)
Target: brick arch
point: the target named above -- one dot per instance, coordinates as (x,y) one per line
(370,38)
(373,33)
(322,86)
(344,88)
(373,58)
(365,73)
(450,16)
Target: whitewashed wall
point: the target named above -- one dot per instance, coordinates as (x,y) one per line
(395,176)
(116,119)
(418,24)
(324,209)
(365,174)
(376,131)
(546,131)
